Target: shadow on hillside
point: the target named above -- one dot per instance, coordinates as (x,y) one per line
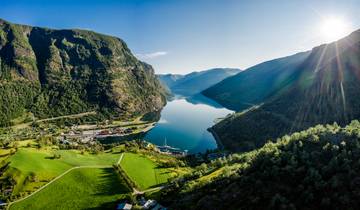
(110,183)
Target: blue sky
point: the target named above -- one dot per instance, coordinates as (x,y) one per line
(180,36)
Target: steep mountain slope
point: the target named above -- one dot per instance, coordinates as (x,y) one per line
(326,89)
(314,169)
(57,72)
(195,82)
(255,84)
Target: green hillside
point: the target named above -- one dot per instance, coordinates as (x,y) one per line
(85,188)
(257,83)
(31,168)
(57,72)
(325,88)
(145,172)
(313,169)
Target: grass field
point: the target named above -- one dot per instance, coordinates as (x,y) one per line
(145,172)
(40,166)
(85,188)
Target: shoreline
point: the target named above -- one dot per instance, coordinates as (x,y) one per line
(219,143)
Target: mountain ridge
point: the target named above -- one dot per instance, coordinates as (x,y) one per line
(195,82)
(255,83)
(55,72)
(325,89)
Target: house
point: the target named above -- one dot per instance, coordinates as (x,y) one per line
(104,132)
(2,203)
(7,192)
(119,130)
(124,206)
(149,204)
(87,139)
(64,142)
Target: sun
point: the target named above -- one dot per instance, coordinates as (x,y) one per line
(334,28)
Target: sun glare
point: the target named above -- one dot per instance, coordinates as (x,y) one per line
(334,28)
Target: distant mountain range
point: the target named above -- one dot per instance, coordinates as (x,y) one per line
(292,93)
(195,82)
(57,72)
(257,83)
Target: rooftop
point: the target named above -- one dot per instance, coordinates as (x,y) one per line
(124,206)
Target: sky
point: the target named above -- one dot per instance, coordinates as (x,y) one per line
(181,36)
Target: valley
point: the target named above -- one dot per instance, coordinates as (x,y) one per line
(91,121)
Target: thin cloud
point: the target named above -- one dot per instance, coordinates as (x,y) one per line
(151,55)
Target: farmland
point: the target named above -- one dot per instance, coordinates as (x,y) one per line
(83,188)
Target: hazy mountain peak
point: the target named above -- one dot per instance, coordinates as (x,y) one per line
(195,82)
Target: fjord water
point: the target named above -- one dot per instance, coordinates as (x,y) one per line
(184,124)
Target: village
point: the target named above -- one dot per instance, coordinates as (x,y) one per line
(88,134)
(77,136)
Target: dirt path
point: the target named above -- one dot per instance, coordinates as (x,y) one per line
(24,125)
(58,177)
(137,192)
(67,116)
(120,159)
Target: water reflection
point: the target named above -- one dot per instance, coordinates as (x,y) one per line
(184,123)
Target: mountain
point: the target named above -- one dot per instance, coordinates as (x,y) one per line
(314,169)
(256,83)
(325,88)
(195,82)
(170,80)
(56,72)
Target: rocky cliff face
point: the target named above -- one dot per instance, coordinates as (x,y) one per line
(57,72)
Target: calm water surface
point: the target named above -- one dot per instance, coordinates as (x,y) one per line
(184,124)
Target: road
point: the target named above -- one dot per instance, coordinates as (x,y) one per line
(23,125)
(120,159)
(67,116)
(58,177)
(135,191)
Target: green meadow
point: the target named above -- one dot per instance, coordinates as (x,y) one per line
(145,172)
(83,188)
(32,168)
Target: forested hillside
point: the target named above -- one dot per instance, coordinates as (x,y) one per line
(57,72)
(325,89)
(257,83)
(313,169)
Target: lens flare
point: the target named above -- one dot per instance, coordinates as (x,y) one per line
(334,28)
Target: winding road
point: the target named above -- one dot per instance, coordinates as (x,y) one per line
(135,191)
